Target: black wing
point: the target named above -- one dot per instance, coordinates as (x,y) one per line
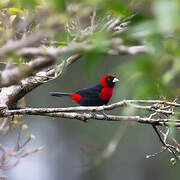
(90,96)
(93,91)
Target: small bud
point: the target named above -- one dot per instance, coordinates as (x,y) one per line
(15,11)
(24,127)
(1,29)
(173,161)
(14,122)
(31,136)
(41,148)
(28,150)
(61,46)
(44,47)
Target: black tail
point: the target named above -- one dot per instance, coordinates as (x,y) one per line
(59,94)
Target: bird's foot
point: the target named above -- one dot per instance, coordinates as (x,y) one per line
(85,121)
(105,115)
(93,115)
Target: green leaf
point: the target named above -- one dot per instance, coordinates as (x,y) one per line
(99,41)
(28,3)
(91,61)
(60,5)
(167,14)
(13,57)
(139,18)
(142,74)
(118,9)
(171,74)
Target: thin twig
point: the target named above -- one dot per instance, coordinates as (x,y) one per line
(155,154)
(170,148)
(112,146)
(93,19)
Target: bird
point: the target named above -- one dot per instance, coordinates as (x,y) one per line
(97,95)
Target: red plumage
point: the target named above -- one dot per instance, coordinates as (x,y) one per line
(76,97)
(97,95)
(106,93)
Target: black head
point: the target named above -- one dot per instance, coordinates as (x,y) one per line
(108,81)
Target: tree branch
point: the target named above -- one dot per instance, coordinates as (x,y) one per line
(70,112)
(13,74)
(10,95)
(155,106)
(114,47)
(28,41)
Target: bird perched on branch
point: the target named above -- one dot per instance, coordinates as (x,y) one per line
(97,95)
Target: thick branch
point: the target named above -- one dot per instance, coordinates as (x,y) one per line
(31,40)
(13,74)
(10,95)
(114,47)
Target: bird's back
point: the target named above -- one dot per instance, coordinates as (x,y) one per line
(90,96)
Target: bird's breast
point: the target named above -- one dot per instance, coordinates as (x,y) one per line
(106,93)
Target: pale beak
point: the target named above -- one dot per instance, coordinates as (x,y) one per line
(115,80)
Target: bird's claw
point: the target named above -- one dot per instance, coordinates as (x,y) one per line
(105,115)
(85,121)
(93,115)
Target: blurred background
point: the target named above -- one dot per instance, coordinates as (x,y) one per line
(73,148)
